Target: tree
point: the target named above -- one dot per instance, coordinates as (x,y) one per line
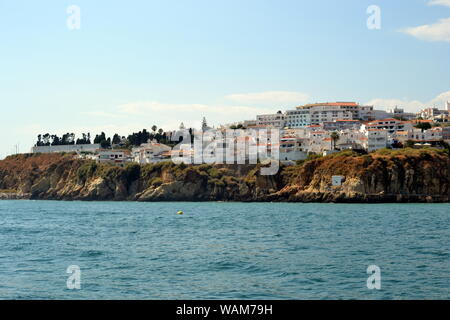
(39,142)
(46,139)
(423,125)
(154,128)
(116,139)
(105,144)
(334,137)
(56,141)
(446,146)
(204,124)
(85,139)
(99,138)
(409,144)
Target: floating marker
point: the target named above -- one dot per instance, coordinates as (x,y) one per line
(180,212)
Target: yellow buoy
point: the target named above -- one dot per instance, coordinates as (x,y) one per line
(180,212)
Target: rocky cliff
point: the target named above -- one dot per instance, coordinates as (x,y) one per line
(385,176)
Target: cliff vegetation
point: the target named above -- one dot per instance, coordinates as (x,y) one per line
(405,175)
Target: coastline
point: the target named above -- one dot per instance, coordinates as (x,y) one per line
(14,196)
(405,176)
(370,200)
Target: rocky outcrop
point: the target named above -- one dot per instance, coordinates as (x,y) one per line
(385,176)
(14,196)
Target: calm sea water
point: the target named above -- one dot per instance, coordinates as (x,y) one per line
(223,250)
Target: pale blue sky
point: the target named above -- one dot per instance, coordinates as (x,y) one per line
(138,63)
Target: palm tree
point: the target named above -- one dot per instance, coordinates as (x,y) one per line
(334,137)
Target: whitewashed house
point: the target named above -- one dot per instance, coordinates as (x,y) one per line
(391,125)
(118,157)
(151,152)
(374,139)
(293,148)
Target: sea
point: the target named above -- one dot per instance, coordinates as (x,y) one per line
(220,250)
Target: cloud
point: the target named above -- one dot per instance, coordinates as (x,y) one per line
(102,114)
(439,3)
(150,107)
(385,104)
(170,115)
(439,31)
(410,105)
(440,99)
(270,98)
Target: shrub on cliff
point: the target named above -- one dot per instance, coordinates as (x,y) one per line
(132,172)
(86,170)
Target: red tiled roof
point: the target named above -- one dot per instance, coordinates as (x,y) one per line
(347,104)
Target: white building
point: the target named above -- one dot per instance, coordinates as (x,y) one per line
(78,148)
(293,148)
(319,141)
(318,113)
(297,118)
(374,139)
(400,113)
(321,114)
(276,120)
(151,152)
(118,157)
(350,139)
(430,135)
(391,125)
(339,125)
(434,113)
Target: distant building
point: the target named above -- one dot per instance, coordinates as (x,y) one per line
(327,112)
(118,157)
(374,139)
(338,125)
(400,113)
(78,148)
(298,118)
(446,133)
(434,134)
(390,125)
(293,148)
(433,113)
(151,152)
(276,120)
(318,113)
(250,123)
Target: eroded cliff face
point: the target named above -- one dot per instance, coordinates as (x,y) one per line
(407,176)
(385,176)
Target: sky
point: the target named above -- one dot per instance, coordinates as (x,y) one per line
(133,64)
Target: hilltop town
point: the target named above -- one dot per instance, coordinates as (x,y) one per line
(328,152)
(319,128)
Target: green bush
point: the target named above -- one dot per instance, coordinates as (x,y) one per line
(132,172)
(86,170)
